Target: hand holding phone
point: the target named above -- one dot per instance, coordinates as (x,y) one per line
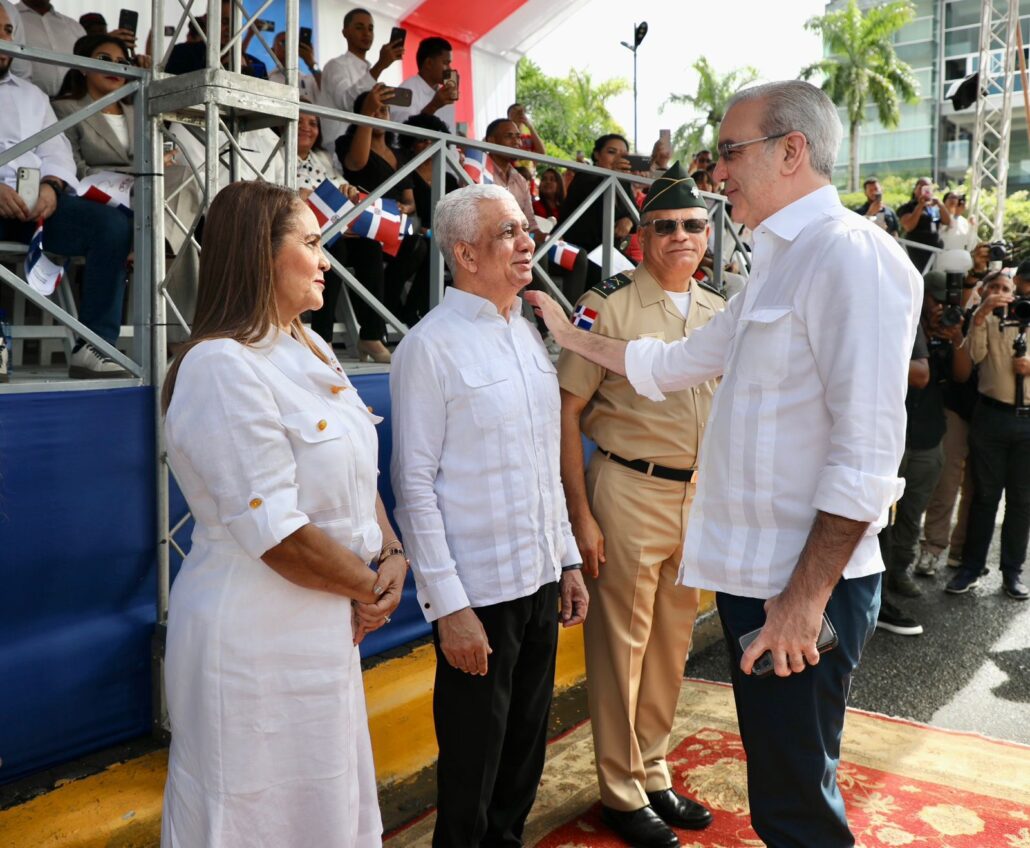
(764,664)
(128,20)
(639,163)
(398,36)
(28,187)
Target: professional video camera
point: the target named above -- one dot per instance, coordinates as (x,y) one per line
(955,264)
(998,254)
(1017,314)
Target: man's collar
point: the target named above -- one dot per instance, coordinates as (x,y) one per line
(793,218)
(9,78)
(648,288)
(471,306)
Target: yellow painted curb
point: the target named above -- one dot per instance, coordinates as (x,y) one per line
(118,808)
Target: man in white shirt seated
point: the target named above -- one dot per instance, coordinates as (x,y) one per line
(46,28)
(476,473)
(806,435)
(434,89)
(347,76)
(307,84)
(72,226)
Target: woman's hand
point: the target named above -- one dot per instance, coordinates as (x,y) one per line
(351,192)
(378,96)
(389,586)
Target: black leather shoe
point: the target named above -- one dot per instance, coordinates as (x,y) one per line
(678,811)
(640,828)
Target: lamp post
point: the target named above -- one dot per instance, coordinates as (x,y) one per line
(639,31)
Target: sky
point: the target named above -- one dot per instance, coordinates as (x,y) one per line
(767,34)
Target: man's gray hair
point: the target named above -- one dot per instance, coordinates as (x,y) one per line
(456,217)
(798,106)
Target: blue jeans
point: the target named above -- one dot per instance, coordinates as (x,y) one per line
(103,235)
(791,726)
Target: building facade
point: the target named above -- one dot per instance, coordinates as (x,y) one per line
(942,45)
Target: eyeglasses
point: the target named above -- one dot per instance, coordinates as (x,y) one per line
(106,57)
(667,226)
(726,149)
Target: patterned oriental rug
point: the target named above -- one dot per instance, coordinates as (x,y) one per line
(904,784)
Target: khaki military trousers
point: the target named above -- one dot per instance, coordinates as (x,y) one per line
(637,633)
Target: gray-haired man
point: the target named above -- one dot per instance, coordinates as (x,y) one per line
(476,444)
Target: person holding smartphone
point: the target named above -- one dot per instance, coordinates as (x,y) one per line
(876,210)
(434,89)
(921,219)
(308,84)
(345,77)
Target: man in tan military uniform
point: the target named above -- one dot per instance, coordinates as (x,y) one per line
(629,515)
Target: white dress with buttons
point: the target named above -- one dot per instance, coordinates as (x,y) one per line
(270,743)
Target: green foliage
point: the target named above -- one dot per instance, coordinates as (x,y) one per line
(861,67)
(709,101)
(896,191)
(568,112)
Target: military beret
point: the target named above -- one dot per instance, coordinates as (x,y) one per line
(673,190)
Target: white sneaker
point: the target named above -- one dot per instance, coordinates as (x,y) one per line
(88,362)
(928,563)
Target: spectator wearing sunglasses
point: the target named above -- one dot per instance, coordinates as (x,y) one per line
(629,514)
(103,141)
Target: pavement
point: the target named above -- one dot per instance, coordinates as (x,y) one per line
(969,670)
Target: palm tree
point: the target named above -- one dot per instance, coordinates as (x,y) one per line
(709,101)
(862,67)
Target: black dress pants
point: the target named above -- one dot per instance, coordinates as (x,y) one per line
(365,257)
(492,730)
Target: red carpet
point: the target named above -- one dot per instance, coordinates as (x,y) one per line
(905,784)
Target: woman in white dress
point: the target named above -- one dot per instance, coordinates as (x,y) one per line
(276,455)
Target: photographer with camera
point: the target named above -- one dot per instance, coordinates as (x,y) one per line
(922,218)
(939,359)
(999,441)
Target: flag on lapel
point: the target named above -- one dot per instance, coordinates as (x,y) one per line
(384,222)
(42,274)
(584,317)
(564,255)
(475,166)
(109,188)
(329,204)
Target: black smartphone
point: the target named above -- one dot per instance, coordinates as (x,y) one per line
(265,25)
(639,163)
(305,35)
(764,664)
(128,19)
(398,34)
(401,97)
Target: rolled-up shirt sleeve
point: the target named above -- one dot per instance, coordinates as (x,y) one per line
(654,367)
(227,425)
(861,318)
(418,421)
(55,154)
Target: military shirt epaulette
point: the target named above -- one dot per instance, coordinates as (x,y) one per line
(711,288)
(612,285)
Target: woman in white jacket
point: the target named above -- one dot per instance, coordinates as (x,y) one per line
(276,455)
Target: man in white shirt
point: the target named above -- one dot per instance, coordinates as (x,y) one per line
(20,67)
(476,473)
(307,84)
(48,29)
(72,225)
(434,89)
(807,430)
(347,76)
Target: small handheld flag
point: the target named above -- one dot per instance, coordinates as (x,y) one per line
(564,255)
(43,274)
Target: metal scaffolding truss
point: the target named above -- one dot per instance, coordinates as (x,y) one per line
(999,20)
(220,122)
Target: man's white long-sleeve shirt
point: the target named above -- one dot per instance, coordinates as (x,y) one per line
(810,414)
(343,79)
(476,445)
(26,111)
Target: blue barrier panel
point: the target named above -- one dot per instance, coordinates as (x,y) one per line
(77,579)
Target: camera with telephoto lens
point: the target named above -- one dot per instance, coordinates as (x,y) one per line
(955,264)
(998,254)
(1017,314)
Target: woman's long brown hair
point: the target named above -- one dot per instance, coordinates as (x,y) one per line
(245,229)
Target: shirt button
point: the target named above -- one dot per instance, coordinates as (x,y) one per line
(370,410)
(322,424)
(255,503)
(337,389)
(427,604)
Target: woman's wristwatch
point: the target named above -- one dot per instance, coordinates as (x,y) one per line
(394,548)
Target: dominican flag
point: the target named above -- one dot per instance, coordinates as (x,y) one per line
(475,166)
(329,204)
(43,274)
(564,255)
(584,317)
(109,188)
(384,222)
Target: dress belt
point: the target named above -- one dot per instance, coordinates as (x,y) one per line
(987,400)
(680,475)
